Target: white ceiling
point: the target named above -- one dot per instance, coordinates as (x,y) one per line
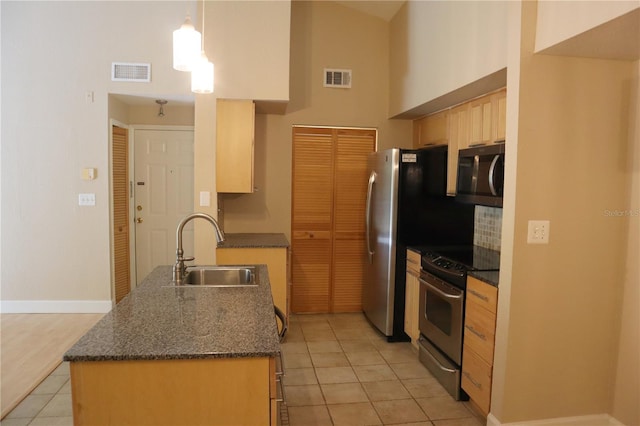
(385,9)
(150,100)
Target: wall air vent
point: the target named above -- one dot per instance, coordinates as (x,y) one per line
(121,71)
(337,78)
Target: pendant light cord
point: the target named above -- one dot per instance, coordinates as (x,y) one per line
(203,1)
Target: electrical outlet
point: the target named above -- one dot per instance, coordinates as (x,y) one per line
(538,232)
(86,199)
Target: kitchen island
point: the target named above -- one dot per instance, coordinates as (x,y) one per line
(180,355)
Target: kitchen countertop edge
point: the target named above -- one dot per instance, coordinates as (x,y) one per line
(156,322)
(254,240)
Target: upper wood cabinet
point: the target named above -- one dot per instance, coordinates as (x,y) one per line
(458,139)
(488,119)
(234,145)
(499,111)
(431,130)
(481,121)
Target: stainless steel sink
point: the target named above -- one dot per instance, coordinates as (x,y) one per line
(221,276)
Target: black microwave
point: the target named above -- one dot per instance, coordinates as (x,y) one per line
(481,175)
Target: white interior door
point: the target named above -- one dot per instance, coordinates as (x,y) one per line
(163,185)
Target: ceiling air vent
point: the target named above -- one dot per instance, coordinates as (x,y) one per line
(121,71)
(337,78)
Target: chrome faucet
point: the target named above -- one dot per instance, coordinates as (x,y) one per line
(179,269)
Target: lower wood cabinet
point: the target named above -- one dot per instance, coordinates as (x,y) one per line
(412,297)
(221,391)
(479,342)
(276,260)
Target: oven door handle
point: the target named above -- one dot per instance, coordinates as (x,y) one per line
(440,292)
(438,364)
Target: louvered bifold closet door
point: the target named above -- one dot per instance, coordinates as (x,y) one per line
(328,201)
(312,204)
(120,160)
(352,149)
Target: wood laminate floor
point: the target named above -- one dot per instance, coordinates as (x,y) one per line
(31,347)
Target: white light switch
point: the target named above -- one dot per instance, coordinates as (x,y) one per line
(87,199)
(538,232)
(205,199)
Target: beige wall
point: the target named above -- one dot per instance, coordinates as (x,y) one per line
(439,48)
(180,115)
(627,379)
(248,43)
(323,34)
(558,354)
(53,53)
(174,115)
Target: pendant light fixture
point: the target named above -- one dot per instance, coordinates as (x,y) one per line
(202,73)
(186,46)
(162,103)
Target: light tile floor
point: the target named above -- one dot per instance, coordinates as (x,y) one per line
(49,404)
(340,371)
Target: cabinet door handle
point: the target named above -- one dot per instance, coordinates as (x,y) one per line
(477,333)
(279,365)
(280,395)
(478,295)
(473,382)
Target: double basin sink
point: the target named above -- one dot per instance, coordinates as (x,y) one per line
(220,276)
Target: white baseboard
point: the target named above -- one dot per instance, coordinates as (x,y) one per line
(591,420)
(55,306)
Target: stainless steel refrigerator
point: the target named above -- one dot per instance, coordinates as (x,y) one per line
(406,205)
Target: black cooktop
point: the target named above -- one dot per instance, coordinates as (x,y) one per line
(451,263)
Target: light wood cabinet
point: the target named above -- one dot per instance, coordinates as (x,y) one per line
(221,391)
(431,130)
(481,121)
(479,341)
(412,297)
(488,119)
(499,111)
(276,260)
(235,123)
(458,139)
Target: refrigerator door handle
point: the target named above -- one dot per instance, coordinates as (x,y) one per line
(372,180)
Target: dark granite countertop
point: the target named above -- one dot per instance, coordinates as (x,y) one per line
(489,277)
(157,322)
(255,240)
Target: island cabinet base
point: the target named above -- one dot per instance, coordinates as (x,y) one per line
(221,391)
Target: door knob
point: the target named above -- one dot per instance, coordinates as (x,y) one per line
(139,220)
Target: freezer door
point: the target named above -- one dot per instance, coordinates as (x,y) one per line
(379,285)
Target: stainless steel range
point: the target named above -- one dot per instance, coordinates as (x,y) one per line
(443,278)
